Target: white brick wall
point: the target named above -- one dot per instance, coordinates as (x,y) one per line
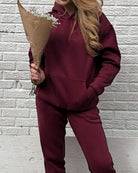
(118,104)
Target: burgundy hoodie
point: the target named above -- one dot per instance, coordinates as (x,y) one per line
(74,79)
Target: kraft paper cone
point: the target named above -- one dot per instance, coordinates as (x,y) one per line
(37,30)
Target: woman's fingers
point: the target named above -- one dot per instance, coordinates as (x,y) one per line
(34,71)
(34,66)
(35,76)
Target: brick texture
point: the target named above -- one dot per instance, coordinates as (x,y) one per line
(118,104)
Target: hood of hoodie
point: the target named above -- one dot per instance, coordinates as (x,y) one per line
(60,10)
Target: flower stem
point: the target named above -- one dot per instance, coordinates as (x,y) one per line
(33,88)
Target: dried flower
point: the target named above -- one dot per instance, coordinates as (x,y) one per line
(48,16)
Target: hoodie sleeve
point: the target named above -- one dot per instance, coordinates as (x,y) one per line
(109,62)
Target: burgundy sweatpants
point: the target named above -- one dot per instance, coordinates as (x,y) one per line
(88,130)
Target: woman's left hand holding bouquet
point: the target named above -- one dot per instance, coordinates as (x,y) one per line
(37,74)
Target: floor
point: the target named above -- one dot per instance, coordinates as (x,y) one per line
(19,154)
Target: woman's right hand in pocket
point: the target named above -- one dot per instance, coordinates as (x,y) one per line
(37,74)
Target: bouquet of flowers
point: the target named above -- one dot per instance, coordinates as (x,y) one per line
(37,28)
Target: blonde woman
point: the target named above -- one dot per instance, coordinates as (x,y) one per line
(80,59)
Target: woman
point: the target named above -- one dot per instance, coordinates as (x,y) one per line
(80,59)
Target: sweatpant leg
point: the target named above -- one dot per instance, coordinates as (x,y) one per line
(87,127)
(51,123)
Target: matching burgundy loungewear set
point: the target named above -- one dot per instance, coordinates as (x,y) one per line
(70,91)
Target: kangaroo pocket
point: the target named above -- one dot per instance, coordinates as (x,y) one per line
(67,93)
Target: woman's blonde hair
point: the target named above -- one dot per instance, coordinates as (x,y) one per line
(88,13)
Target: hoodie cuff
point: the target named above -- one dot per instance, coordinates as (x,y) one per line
(91,91)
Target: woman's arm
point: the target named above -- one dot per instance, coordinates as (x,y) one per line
(110,62)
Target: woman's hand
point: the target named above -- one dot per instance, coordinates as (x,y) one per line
(37,74)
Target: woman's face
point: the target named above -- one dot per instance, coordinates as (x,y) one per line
(63,2)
